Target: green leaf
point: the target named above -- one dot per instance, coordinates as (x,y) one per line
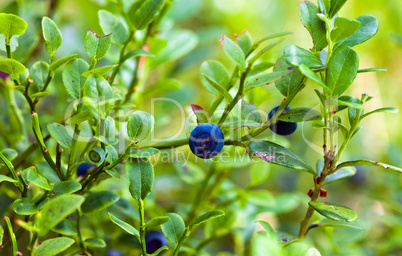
(348,103)
(24,206)
(57,64)
(11,67)
(31,175)
(99,200)
(289,83)
(39,95)
(296,115)
(51,34)
(270,231)
(286,239)
(95,242)
(250,112)
(201,114)
(97,92)
(262,40)
(174,229)
(111,23)
(140,125)
(296,56)
(308,13)
(259,68)
(39,72)
(99,71)
(233,51)
(9,153)
(263,244)
(276,154)
(340,175)
(342,69)
(368,163)
(136,53)
(97,46)
(206,217)
(336,224)
(65,187)
(72,79)
(266,79)
(143,152)
(59,133)
(235,123)
(110,131)
(219,88)
(53,246)
(56,210)
(113,173)
(367,29)
(381,110)
(245,41)
(336,5)
(157,221)
(217,72)
(11,25)
(144,14)
(124,225)
(79,118)
(6,178)
(111,154)
(140,175)
(324,5)
(343,28)
(260,197)
(333,211)
(66,227)
(313,76)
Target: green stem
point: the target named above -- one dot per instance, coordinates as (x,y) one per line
(12,235)
(74,142)
(80,241)
(142,226)
(121,57)
(232,82)
(178,246)
(32,243)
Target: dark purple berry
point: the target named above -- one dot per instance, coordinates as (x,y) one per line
(83,169)
(206,141)
(281,127)
(155,240)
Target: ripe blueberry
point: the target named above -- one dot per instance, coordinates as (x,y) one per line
(83,169)
(281,127)
(206,140)
(155,240)
(113,252)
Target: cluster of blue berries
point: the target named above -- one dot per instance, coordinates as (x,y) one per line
(207,140)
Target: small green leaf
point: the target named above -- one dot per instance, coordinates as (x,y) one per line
(233,51)
(336,5)
(97,92)
(99,71)
(24,206)
(39,72)
(313,76)
(333,211)
(51,34)
(342,69)
(31,175)
(111,154)
(95,242)
(250,112)
(324,5)
(143,152)
(174,229)
(286,239)
(296,56)
(245,41)
(344,28)
(235,123)
(40,95)
(65,187)
(113,173)
(97,46)
(140,125)
(136,53)
(53,246)
(79,118)
(308,12)
(260,68)
(11,67)
(217,72)
(268,228)
(157,221)
(266,79)
(340,175)
(289,83)
(336,224)
(260,197)
(276,154)
(56,210)
(140,175)
(296,115)
(368,163)
(206,217)
(111,23)
(11,25)
(6,178)
(124,225)
(201,114)
(219,88)
(66,227)
(73,79)
(99,200)
(381,110)
(59,133)
(60,62)
(367,29)
(144,14)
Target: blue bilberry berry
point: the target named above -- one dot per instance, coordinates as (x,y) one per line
(281,127)
(83,169)
(206,140)
(155,240)
(114,252)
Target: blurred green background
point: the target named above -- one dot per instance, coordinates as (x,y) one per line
(375,194)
